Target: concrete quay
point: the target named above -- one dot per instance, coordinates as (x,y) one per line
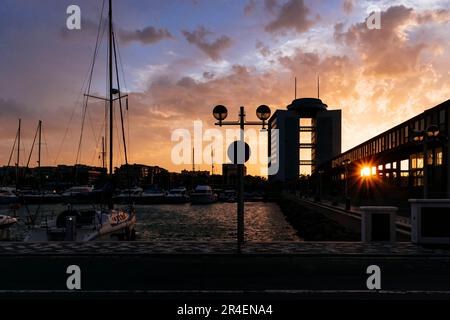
(279,270)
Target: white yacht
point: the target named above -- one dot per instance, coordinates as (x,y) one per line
(7,221)
(86,225)
(152,196)
(177,195)
(203,194)
(77,191)
(7,196)
(128,195)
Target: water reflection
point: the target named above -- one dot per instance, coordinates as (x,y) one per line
(264,222)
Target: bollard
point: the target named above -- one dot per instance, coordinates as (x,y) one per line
(347,204)
(378,224)
(71,228)
(430,221)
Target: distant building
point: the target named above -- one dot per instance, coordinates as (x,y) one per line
(141,175)
(308,135)
(230,174)
(59,177)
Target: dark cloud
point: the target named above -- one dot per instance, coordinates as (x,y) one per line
(271,5)
(263,49)
(385,51)
(347,6)
(293,15)
(147,35)
(338,76)
(250,7)
(431,16)
(212,49)
(208,75)
(186,82)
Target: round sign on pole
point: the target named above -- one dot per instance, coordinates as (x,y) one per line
(238,152)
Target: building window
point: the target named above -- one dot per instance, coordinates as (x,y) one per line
(404,165)
(430,158)
(438,157)
(374,171)
(417,161)
(418,178)
(442,117)
(406,133)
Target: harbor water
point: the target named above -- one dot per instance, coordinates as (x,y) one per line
(264,222)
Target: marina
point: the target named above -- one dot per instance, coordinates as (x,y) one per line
(177,158)
(181,222)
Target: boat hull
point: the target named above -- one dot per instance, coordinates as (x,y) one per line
(176,200)
(9,200)
(202,199)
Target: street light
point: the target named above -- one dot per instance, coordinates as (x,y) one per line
(263,114)
(432,131)
(220,114)
(346,163)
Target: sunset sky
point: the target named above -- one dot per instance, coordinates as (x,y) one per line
(181,58)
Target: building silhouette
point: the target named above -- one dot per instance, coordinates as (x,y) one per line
(230,174)
(394,163)
(308,135)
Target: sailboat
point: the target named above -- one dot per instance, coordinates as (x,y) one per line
(39,196)
(8,195)
(7,221)
(98,224)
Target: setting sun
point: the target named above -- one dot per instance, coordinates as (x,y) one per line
(367,171)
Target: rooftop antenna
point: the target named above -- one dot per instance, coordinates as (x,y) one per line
(318,87)
(295,88)
(193,159)
(212,161)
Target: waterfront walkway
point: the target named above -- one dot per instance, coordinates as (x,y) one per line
(373,249)
(215,271)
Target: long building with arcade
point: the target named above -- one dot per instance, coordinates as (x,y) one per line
(410,160)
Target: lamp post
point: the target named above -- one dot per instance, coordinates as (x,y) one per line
(423,137)
(346,163)
(220,113)
(320,184)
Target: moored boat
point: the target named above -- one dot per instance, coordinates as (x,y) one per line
(203,194)
(131,195)
(7,221)
(152,196)
(78,194)
(85,225)
(177,195)
(7,196)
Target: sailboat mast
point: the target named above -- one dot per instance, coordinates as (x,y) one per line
(111,111)
(103,153)
(39,153)
(18,154)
